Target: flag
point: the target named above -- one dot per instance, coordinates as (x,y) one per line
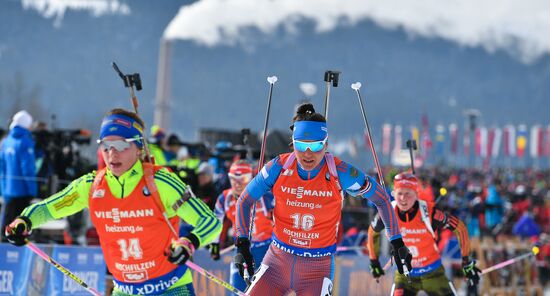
(483,141)
(453,131)
(386,137)
(521,140)
(547,142)
(536,141)
(490,141)
(482,144)
(415,135)
(397,135)
(466,142)
(509,140)
(497,138)
(426,140)
(477,141)
(440,140)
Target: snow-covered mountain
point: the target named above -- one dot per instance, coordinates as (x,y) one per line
(56,61)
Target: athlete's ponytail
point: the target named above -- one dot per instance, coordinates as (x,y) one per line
(306,112)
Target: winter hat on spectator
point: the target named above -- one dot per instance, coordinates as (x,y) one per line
(22,119)
(205,168)
(157,134)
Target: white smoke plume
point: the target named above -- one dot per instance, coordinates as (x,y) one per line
(519,27)
(56,9)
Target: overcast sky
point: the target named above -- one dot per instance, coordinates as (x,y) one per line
(519,27)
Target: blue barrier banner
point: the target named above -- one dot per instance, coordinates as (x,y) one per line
(15,271)
(203,286)
(24,273)
(85,262)
(352,276)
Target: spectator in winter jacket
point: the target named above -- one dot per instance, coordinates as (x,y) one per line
(17,167)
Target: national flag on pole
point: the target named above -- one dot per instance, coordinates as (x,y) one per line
(477,141)
(426,140)
(490,141)
(386,137)
(521,142)
(466,141)
(496,142)
(415,135)
(440,140)
(482,141)
(509,140)
(453,132)
(536,141)
(547,142)
(397,136)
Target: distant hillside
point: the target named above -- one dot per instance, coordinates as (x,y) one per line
(67,70)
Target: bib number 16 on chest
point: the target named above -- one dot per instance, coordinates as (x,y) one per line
(304,222)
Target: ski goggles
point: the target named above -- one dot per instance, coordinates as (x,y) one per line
(241,179)
(314,146)
(118,145)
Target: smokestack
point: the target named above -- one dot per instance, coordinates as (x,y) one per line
(162,100)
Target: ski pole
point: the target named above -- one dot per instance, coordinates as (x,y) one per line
(534,251)
(213,278)
(411,145)
(330,76)
(227,250)
(356,86)
(271,80)
(349,248)
(60,267)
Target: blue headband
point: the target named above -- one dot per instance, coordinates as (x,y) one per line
(122,126)
(309,130)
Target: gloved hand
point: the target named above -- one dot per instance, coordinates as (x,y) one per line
(18,231)
(401,255)
(376,269)
(243,257)
(215,251)
(471,272)
(182,249)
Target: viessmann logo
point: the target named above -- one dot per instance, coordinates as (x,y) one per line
(116,215)
(301,192)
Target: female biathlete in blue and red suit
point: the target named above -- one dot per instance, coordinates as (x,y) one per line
(240,174)
(308,187)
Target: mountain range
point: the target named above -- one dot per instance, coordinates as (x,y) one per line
(65,70)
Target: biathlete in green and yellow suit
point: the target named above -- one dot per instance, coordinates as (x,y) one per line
(126,201)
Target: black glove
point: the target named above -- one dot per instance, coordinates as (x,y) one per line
(182,249)
(471,272)
(18,231)
(376,269)
(401,255)
(215,251)
(243,257)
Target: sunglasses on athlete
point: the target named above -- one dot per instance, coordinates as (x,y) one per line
(315,146)
(241,179)
(118,145)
